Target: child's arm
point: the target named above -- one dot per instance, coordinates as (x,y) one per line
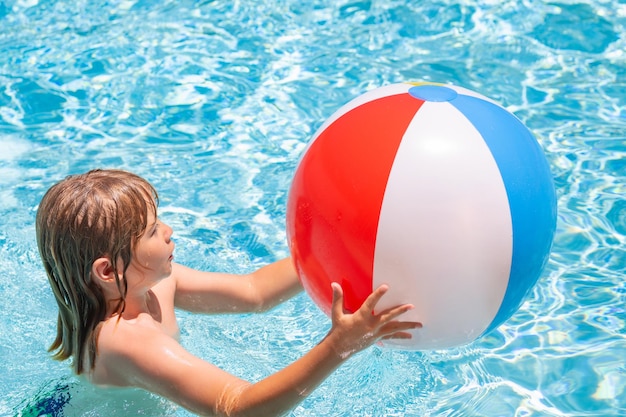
(159,364)
(209,292)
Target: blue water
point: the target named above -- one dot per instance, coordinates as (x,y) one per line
(214,102)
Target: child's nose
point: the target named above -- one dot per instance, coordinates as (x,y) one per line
(168,232)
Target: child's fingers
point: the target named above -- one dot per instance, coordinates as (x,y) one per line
(398,329)
(337,303)
(394,312)
(398,335)
(396,326)
(369,305)
(374,298)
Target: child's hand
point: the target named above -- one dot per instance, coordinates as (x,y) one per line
(351,333)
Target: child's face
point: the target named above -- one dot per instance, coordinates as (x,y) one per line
(153,254)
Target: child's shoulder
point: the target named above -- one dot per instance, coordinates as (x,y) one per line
(125,344)
(119,333)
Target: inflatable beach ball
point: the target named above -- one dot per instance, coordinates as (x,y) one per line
(432,189)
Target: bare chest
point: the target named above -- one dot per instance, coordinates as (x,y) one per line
(161,313)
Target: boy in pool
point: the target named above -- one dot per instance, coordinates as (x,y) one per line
(109,260)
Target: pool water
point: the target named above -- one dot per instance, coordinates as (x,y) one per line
(214,102)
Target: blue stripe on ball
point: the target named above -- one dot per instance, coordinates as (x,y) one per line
(527,180)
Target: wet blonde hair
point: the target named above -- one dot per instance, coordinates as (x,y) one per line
(101,213)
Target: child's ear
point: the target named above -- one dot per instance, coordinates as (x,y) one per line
(102,269)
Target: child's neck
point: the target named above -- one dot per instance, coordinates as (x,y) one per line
(139,303)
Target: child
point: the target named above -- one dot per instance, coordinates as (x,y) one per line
(109,260)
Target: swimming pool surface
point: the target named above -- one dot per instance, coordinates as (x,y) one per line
(214,102)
